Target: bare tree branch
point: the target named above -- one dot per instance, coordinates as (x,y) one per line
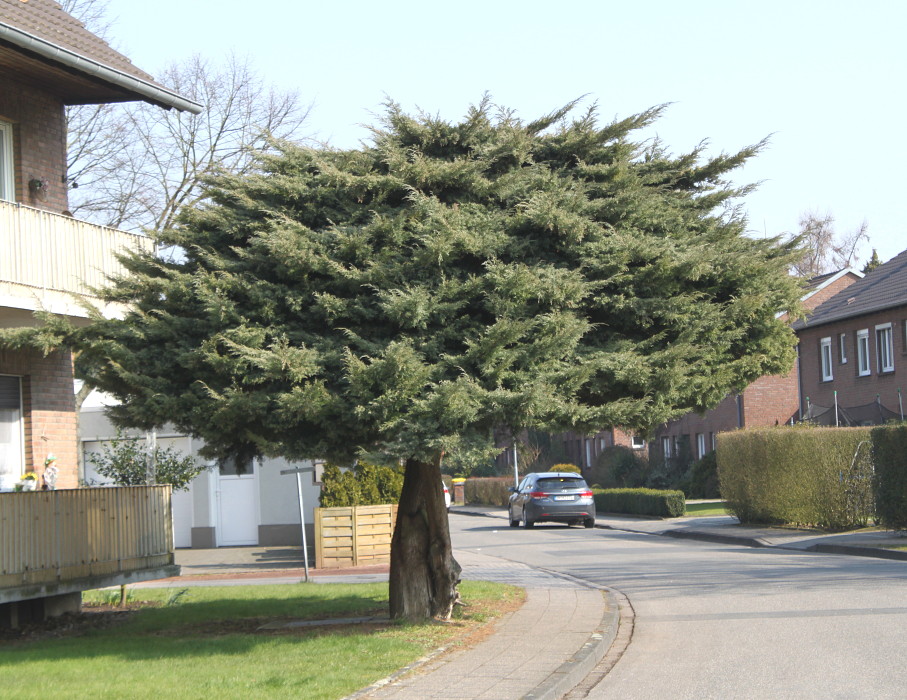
(824,250)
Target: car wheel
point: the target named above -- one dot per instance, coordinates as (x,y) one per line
(589,522)
(526,521)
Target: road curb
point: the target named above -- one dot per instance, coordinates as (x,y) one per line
(570,673)
(857,551)
(715,537)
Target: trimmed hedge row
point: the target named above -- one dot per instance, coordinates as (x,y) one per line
(489,490)
(807,476)
(665,504)
(889,453)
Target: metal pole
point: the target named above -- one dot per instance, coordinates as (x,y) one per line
(900,403)
(836,409)
(305,548)
(516,471)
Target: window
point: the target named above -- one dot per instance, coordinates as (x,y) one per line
(666,447)
(700,445)
(825,358)
(863,368)
(843,345)
(638,442)
(7,181)
(12,463)
(235,466)
(883,348)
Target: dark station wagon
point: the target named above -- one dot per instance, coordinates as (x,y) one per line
(561,497)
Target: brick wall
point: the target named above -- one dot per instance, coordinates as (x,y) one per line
(39,135)
(854,390)
(49,410)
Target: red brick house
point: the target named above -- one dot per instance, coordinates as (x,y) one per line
(770,400)
(48,61)
(853,351)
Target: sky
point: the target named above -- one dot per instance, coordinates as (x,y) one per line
(823,80)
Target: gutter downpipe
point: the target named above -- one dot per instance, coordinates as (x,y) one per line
(153,93)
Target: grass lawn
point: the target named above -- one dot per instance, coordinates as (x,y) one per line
(206,644)
(706,508)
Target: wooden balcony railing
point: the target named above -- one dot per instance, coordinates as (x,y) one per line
(60,541)
(45,257)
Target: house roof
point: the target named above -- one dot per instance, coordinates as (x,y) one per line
(883,288)
(42,44)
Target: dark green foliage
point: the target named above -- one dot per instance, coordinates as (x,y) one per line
(889,454)
(664,504)
(413,294)
(365,485)
(703,482)
(489,491)
(133,462)
(619,466)
(806,476)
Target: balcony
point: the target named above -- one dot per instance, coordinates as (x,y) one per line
(45,258)
(55,543)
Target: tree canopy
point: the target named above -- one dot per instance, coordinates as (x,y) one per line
(411,294)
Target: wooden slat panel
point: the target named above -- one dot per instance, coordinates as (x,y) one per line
(353,536)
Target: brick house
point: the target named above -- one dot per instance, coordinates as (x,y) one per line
(853,351)
(48,61)
(770,400)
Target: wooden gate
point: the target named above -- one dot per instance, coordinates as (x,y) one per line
(353,536)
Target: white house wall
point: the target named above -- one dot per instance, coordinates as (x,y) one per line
(275,507)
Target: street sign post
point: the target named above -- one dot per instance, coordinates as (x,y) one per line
(298,471)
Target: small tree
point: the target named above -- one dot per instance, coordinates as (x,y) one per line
(823,249)
(134,462)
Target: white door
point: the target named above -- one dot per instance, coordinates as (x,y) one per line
(182,518)
(237,501)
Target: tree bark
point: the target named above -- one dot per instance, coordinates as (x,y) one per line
(424,575)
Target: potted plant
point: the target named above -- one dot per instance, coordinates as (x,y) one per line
(29,481)
(38,187)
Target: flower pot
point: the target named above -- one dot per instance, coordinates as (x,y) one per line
(29,485)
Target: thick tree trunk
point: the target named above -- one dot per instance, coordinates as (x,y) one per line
(424,575)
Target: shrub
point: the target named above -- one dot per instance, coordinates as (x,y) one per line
(703,481)
(565,468)
(666,504)
(489,491)
(131,461)
(366,485)
(807,476)
(889,447)
(619,466)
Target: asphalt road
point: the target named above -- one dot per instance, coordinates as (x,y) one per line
(719,621)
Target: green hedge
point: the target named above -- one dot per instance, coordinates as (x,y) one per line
(806,476)
(889,453)
(365,485)
(665,504)
(489,491)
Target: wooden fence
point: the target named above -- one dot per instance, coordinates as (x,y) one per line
(60,536)
(353,536)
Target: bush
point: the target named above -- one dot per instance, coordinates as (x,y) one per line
(133,462)
(489,491)
(365,485)
(619,466)
(703,481)
(565,468)
(806,476)
(889,453)
(665,504)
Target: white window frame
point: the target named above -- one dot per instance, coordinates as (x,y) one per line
(7,164)
(884,348)
(666,447)
(843,349)
(825,359)
(15,443)
(864,367)
(700,445)
(637,442)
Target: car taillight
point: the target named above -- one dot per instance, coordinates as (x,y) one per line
(586,494)
(538,494)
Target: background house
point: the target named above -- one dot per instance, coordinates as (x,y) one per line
(853,351)
(223,506)
(48,259)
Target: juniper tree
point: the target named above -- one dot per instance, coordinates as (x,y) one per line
(410,295)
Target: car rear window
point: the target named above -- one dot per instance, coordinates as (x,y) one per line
(560,483)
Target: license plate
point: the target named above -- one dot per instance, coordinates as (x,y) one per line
(563,498)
